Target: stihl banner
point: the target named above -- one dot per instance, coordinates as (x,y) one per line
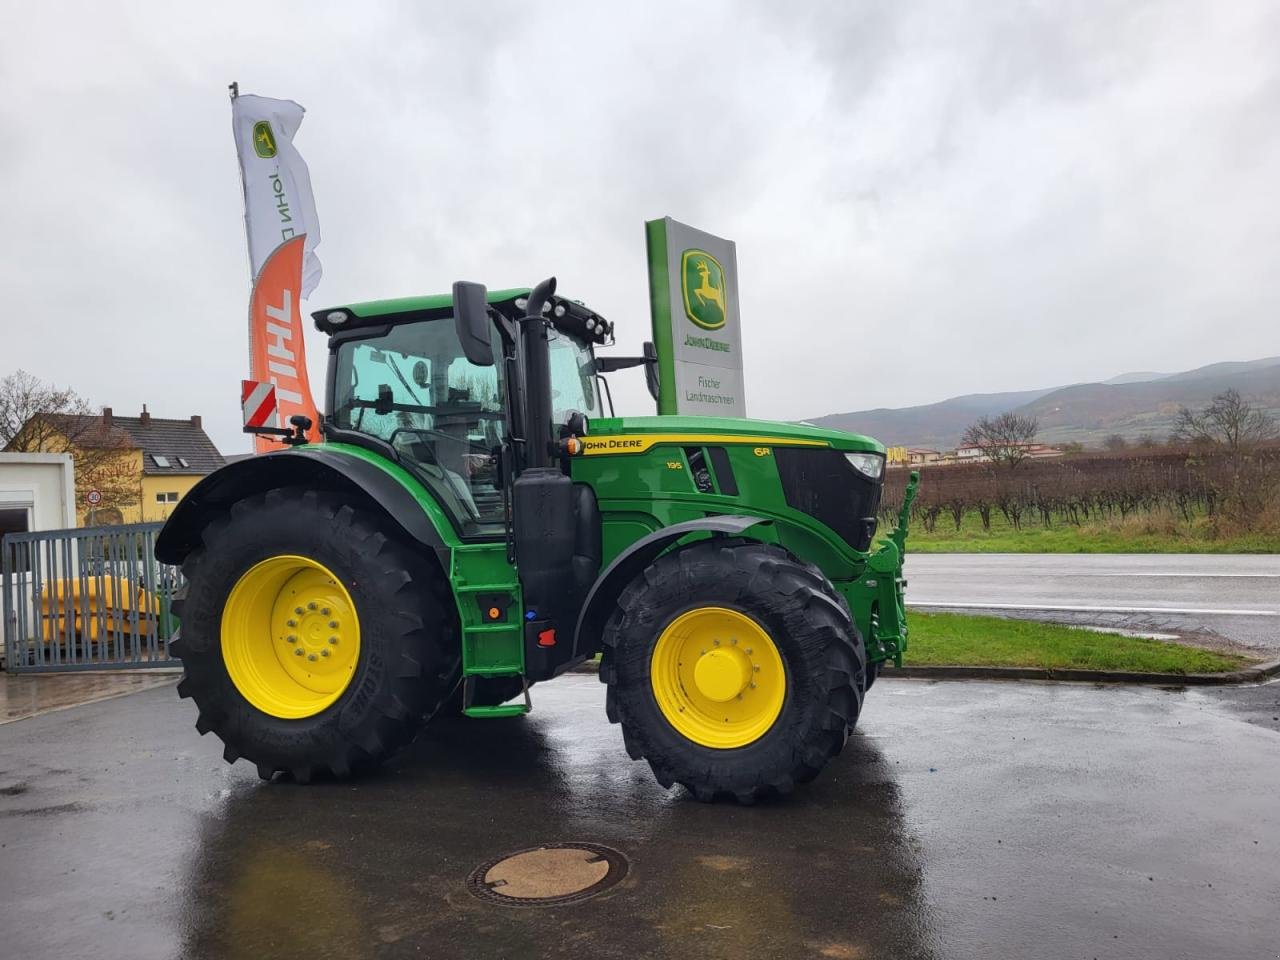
(275,340)
(283,231)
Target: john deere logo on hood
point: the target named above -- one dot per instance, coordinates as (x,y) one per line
(702,280)
(264,141)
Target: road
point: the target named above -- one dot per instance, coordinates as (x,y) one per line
(1232,596)
(963,820)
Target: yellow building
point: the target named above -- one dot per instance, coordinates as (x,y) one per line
(139,466)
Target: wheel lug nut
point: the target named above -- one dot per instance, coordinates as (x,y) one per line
(749,651)
(291,638)
(297,652)
(756,669)
(298,610)
(311,605)
(324,611)
(324,653)
(716,642)
(333,624)
(311,656)
(332,640)
(733,640)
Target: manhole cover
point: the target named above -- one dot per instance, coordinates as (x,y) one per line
(549,875)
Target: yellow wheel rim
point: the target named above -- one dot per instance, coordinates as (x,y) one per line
(290,637)
(718,677)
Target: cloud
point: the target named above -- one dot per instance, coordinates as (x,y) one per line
(927,199)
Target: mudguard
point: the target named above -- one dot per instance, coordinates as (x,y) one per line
(312,467)
(603,594)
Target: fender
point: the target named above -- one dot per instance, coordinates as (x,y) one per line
(627,565)
(312,467)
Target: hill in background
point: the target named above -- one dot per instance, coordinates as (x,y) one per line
(1130,404)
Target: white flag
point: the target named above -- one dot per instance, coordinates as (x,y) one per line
(277,187)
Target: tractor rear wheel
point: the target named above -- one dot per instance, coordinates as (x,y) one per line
(734,669)
(312,640)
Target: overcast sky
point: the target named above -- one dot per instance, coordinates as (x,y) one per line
(928,198)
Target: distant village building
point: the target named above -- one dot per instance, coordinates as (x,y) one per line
(918,456)
(981,454)
(141,466)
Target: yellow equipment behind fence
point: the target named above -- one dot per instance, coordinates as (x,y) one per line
(86,608)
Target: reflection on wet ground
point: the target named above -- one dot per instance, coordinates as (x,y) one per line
(28,694)
(963,820)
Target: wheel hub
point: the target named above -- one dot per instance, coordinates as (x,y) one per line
(722,673)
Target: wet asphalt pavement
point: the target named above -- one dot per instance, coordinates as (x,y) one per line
(963,820)
(1232,596)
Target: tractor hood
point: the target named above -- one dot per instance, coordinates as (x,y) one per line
(730,429)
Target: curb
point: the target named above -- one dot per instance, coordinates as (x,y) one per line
(1261,671)
(1252,674)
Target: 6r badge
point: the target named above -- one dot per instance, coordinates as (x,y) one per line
(702,283)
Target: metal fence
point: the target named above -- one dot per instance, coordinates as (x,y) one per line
(87,599)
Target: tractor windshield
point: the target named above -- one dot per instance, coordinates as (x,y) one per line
(411,386)
(573,378)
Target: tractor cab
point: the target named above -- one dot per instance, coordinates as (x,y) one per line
(401,383)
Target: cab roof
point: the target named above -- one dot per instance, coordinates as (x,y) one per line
(399,306)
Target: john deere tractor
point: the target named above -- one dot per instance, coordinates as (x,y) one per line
(475,523)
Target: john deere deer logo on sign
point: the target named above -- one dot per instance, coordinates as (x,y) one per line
(702,281)
(264,140)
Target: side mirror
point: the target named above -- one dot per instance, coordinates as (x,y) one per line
(471,318)
(651,368)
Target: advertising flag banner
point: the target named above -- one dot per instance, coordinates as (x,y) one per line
(278,205)
(283,230)
(693,300)
(275,341)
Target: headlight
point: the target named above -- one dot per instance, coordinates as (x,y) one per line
(868,464)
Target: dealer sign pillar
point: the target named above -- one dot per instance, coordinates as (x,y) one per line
(693,300)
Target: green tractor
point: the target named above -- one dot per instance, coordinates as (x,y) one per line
(474,523)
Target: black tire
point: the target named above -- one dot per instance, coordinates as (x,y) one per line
(873,671)
(409,655)
(820,646)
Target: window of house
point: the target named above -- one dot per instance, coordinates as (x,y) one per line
(169,496)
(182,462)
(159,460)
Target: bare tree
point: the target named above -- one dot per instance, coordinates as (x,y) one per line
(27,406)
(1229,421)
(1115,443)
(37,417)
(1236,428)
(1004,439)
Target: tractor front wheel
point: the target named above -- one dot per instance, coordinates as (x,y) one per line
(312,640)
(734,669)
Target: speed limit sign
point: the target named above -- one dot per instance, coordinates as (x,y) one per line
(94,497)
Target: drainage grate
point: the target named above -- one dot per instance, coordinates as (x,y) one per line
(553,874)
